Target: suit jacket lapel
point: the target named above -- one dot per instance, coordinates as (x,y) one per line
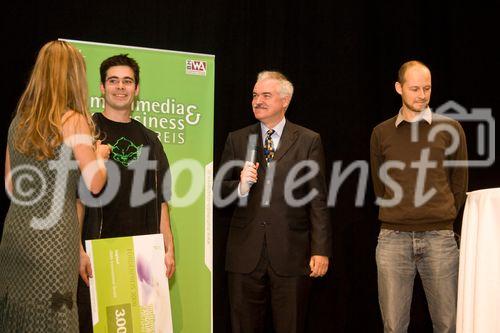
(260,147)
(288,138)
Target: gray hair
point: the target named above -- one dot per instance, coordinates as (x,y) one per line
(286,87)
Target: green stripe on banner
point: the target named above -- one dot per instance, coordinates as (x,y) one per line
(176,100)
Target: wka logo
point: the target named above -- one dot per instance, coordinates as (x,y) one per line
(196,67)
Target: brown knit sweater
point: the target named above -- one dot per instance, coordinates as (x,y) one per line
(445,185)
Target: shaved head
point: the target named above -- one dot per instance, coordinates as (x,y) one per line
(407,65)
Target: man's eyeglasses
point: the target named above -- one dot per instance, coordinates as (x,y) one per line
(114,81)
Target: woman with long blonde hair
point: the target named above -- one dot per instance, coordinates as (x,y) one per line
(50,143)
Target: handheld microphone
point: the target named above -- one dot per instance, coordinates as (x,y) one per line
(252,151)
(252,158)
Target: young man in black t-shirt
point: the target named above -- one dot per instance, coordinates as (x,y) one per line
(133,147)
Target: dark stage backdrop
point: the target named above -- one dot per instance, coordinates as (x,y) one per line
(342,58)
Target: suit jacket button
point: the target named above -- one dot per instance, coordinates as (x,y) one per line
(263,223)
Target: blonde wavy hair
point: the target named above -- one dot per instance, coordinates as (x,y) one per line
(57,84)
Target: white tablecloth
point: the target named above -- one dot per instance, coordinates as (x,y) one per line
(479,272)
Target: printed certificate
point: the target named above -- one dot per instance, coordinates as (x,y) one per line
(129,290)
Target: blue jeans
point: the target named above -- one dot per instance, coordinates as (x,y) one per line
(435,255)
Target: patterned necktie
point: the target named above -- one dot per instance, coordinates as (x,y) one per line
(268,147)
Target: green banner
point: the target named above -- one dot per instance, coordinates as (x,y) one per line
(176,100)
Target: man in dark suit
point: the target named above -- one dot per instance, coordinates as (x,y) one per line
(280,233)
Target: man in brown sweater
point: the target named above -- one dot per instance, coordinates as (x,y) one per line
(418,165)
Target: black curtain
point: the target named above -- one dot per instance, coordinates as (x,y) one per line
(342,58)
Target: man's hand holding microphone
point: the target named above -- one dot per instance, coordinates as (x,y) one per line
(248,175)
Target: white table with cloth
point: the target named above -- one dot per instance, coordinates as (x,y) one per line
(478,309)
